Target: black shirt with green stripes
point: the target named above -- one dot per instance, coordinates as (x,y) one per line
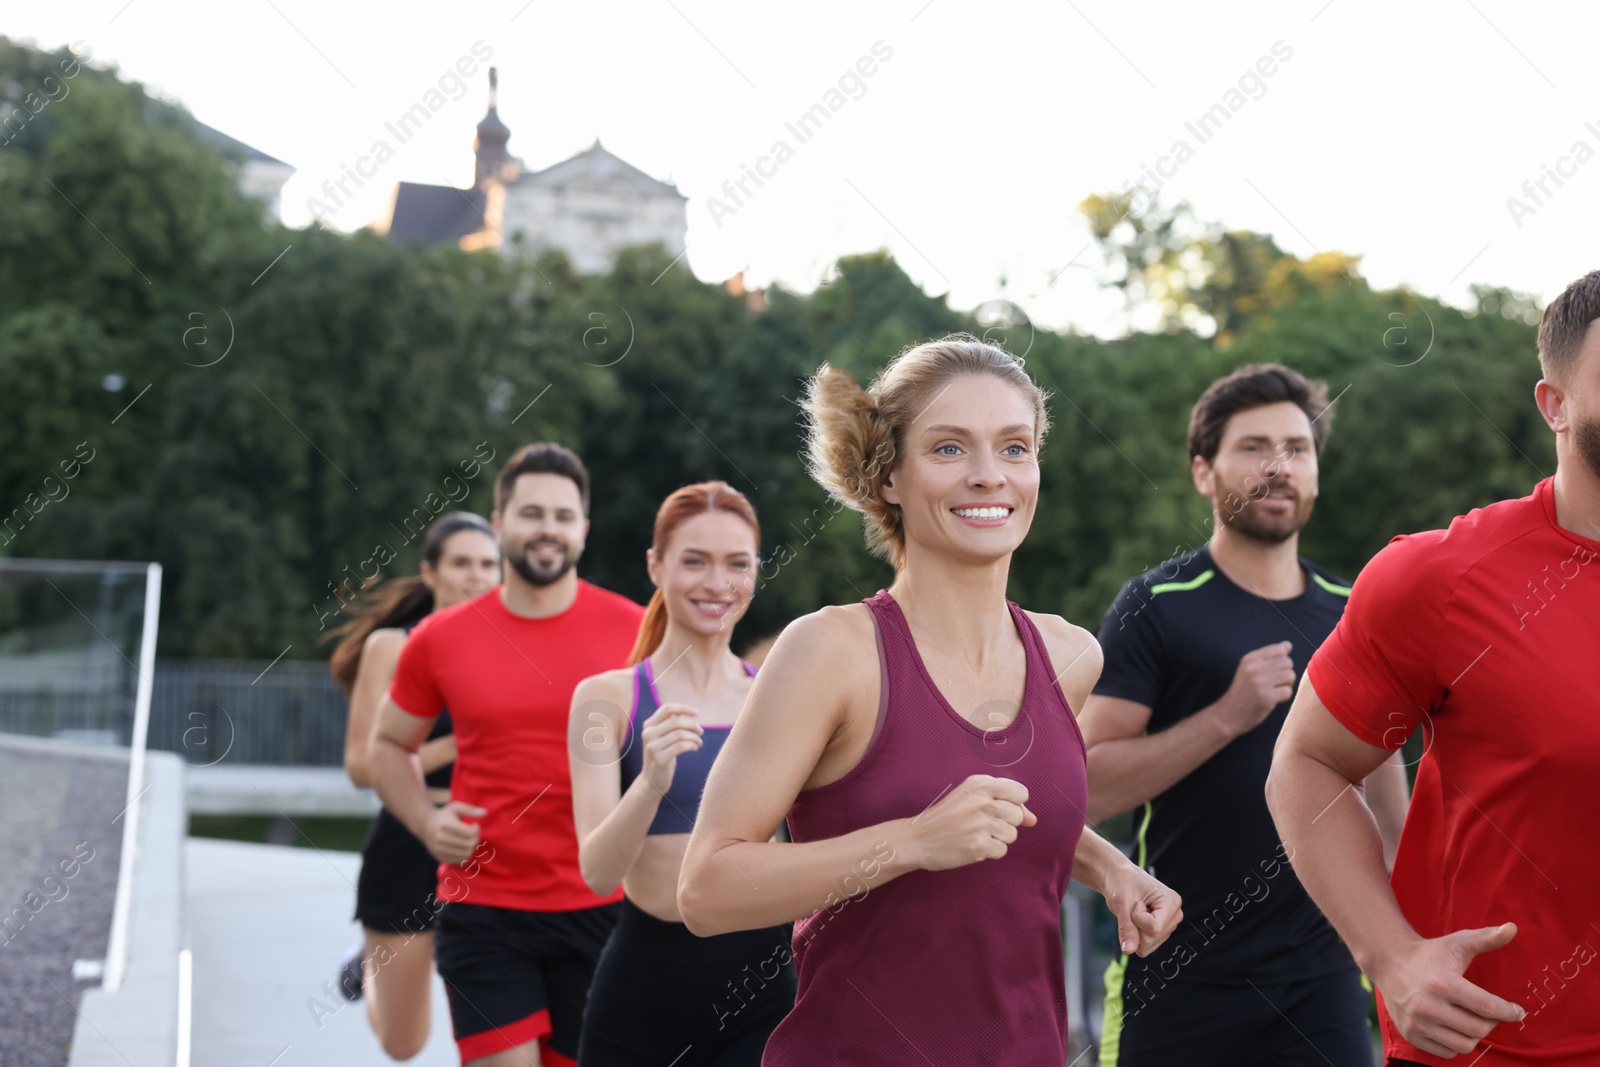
(1172,640)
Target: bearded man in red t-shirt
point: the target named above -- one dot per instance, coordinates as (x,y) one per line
(1486,636)
(519,931)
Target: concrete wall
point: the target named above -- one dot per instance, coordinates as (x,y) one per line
(137,1026)
(243,789)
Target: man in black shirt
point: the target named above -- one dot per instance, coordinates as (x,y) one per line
(1202,655)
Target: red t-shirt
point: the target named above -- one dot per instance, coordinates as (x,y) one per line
(508,683)
(1487,636)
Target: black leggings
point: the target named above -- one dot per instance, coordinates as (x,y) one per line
(660,992)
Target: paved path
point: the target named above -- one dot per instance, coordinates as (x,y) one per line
(60,840)
(268,925)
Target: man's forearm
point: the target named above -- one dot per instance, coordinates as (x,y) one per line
(1128,771)
(1388,796)
(397,776)
(1337,853)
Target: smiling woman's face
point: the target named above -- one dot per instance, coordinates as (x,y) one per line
(967,479)
(469,564)
(707,571)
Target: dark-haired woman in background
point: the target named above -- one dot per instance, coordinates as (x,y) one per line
(641,741)
(395,900)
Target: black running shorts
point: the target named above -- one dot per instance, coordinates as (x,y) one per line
(395,890)
(517,976)
(1320,1021)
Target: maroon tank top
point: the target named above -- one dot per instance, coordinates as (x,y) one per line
(959,966)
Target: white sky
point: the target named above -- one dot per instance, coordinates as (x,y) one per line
(1395,131)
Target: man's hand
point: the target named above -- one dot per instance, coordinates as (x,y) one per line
(1263,680)
(1432,1005)
(448,837)
(1147,912)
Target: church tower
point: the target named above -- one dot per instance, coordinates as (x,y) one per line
(589,207)
(490,144)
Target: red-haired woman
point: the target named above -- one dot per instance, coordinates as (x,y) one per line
(642,740)
(395,892)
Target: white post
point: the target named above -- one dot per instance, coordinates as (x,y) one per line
(185,1006)
(117,949)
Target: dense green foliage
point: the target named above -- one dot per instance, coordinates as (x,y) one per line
(361,381)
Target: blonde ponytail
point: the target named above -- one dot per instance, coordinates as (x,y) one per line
(850,450)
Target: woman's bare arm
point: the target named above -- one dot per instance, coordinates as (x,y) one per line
(611,824)
(734,876)
(440,752)
(1146,910)
(379,654)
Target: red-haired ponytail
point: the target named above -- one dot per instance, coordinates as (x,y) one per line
(652,628)
(683,504)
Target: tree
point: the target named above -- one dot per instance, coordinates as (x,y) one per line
(275,414)
(1201,278)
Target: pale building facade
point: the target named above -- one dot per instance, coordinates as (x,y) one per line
(589,206)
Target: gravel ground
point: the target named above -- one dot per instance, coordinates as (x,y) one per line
(59,851)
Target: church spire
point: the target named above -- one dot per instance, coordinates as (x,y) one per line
(490,143)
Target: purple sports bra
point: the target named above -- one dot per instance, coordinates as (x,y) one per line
(681,803)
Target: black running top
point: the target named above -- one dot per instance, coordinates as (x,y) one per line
(1172,640)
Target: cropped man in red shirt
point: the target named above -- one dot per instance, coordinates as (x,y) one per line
(1486,636)
(519,929)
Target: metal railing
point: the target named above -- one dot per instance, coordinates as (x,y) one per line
(243,711)
(288,713)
